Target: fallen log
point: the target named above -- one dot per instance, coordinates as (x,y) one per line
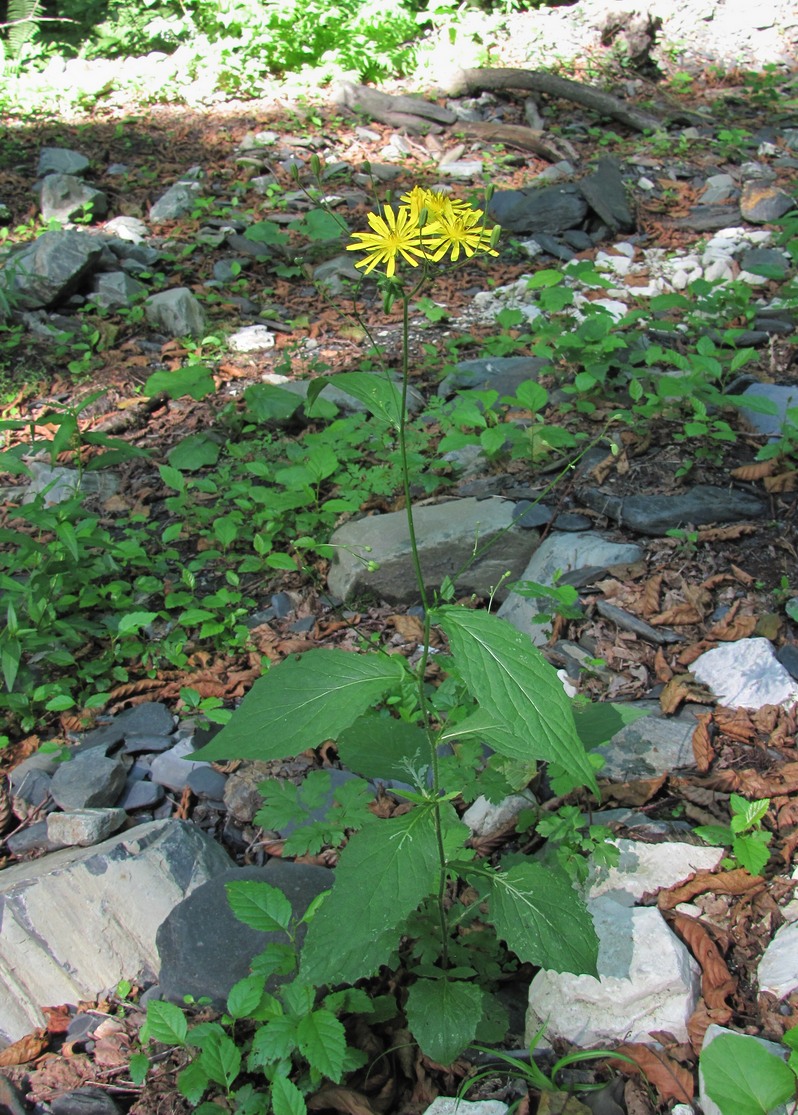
(479,80)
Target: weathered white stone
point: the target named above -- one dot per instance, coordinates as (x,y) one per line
(484,817)
(561,552)
(647,981)
(778,968)
(111,897)
(84,827)
(446,534)
(443,1105)
(647,868)
(252,338)
(746,674)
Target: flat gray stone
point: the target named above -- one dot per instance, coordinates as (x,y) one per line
(444,1105)
(650,746)
(89,780)
(64,197)
(130,229)
(445,534)
(782,396)
(49,269)
(204,949)
(762,202)
(647,868)
(114,895)
(177,312)
(115,288)
(746,674)
(605,193)
(648,981)
(175,202)
(500,373)
(84,827)
(561,552)
(657,514)
(61,160)
(538,209)
(172,768)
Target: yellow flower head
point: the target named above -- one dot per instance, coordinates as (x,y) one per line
(449,226)
(393,234)
(464,230)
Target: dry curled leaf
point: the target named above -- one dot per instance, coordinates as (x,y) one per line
(784,482)
(727,534)
(672,1080)
(703,750)
(724,882)
(26,1049)
(678,616)
(756,470)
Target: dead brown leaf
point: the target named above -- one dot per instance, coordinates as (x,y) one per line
(409,627)
(755,471)
(560,1103)
(730,629)
(649,601)
(784,482)
(678,615)
(26,1049)
(672,1080)
(703,750)
(682,688)
(727,534)
(724,882)
(636,1098)
(662,670)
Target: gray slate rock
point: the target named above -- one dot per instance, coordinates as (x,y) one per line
(445,533)
(61,160)
(761,202)
(655,515)
(177,312)
(49,269)
(176,202)
(64,197)
(605,193)
(768,262)
(89,780)
(782,396)
(130,229)
(548,209)
(114,895)
(84,827)
(85,1101)
(499,373)
(560,552)
(204,949)
(652,745)
(115,288)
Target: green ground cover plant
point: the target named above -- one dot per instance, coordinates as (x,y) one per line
(744,1078)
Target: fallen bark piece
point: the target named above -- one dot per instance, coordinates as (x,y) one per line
(475,81)
(399,111)
(515,135)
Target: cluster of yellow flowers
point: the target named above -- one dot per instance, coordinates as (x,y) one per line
(425,226)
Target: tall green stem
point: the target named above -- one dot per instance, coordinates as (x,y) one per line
(421,668)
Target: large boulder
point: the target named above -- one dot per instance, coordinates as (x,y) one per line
(49,269)
(76,922)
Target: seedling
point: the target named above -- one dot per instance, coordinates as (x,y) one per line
(744,835)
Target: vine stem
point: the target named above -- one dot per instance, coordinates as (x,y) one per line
(421,668)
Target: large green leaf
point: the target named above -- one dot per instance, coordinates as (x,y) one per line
(536,910)
(259,904)
(322,1042)
(443,1016)
(517,689)
(383,874)
(301,702)
(381,747)
(743,1077)
(381,396)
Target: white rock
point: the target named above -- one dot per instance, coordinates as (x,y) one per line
(618,264)
(252,338)
(717,270)
(746,674)
(484,818)
(648,981)
(778,968)
(445,1106)
(647,868)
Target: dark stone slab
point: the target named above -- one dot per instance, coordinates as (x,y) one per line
(204,949)
(655,515)
(605,193)
(501,373)
(533,209)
